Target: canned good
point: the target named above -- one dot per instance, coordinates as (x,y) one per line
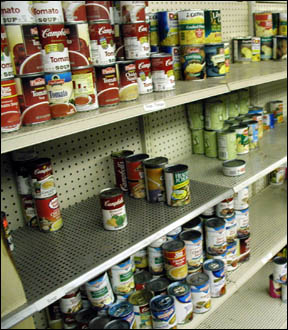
(280,269)
(241,199)
(141,279)
(71,302)
(100,322)
(280,47)
(163,312)
(195,115)
(228,56)
(174,253)
(158,286)
(244,248)
(193,62)
(275,23)
(28,210)
(194,253)
(242,49)
(133,11)
(128,81)
(144,77)
(226,142)
(195,224)
(48,12)
(210,143)
(6,62)
(277,177)
(263,24)
(243,100)
(140,259)
(54,316)
(6,232)
(215,60)
(221,257)
(69,321)
(276,107)
(162,72)
(177,185)
(20,12)
(181,294)
(215,235)
(74,11)
(231,256)
(225,209)
(119,44)
(60,94)
(198,141)
(274,288)
(174,234)
(154,178)
(107,85)
(233,105)
(154,35)
(242,218)
(168,28)
(214,268)
(191,27)
(175,52)
(213,29)
(231,228)
(253,134)
(234,167)
(266,48)
(256,49)
(140,301)
(242,139)
(120,168)
(116,324)
(282,25)
(83,317)
(123,311)
(284,292)
(214,115)
(267,121)
(258,116)
(99,11)
(200,292)
(155,257)
(122,277)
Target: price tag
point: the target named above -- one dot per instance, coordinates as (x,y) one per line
(157,105)
(42,303)
(267,258)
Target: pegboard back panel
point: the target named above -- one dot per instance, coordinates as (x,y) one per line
(274,6)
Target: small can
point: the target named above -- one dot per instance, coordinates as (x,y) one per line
(231,229)
(174,234)
(280,47)
(266,48)
(162,72)
(177,185)
(48,12)
(133,11)
(242,49)
(280,269)
(155,257)
(60,94)
(274,288)
(99,10)
(6,62)
(20,12)
(141,279)
(113,209)
(195,115)
(154,179)
(99,292)
(194,253)
(231,256)
(116,324)
(100,322)
(175,52)
(282,23)
(6,231)
(225,209)
(263,24)
(119,43)
(200,292)
(277,177)
(226,143)
(33,99)
(10,108)
(136,41)
(242,219)
(74,11)
(153,29)
(28,210)
(141,259)
(233,105)
(215,236)
(242,139)
(163,312)
(243,100)
(140,300)
(127,81)
(276,107)
(135,175)
(228,56)
(144,76)
(102,43)
(158,286)
(54,316)
(168,28)
(107,85)
(194,224)
(215,60)
(198,141)
(284,292)
(244,248)
(210,143)
(174,253)
(191,27)
(71,302)
(213,28)
(234,167)
(253,134)
(181,294)
(193,62)
(120,168)
(123,311)
(241,199)
(214,111)
(122,277)
(256,49)
(214,268)
(83,317)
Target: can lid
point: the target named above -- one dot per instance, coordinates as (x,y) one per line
(178,289)
(157,284)
(140,297)
(176,168)
(99,322)
(155,162)
(192,223)
(28,75)
(215,222)
(174,245)
(120,310)
(213,264)
(280,260)
(110,192)
(136,158)
(142,277)
(85,315)
(190,235)
(117,324)
(122,153)
(234,163)
(197,279)
(161,302)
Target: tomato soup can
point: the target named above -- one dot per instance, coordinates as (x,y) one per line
(213,28)
(266,48)
(242,219)
(122,278)
(181,294)
(162,72)
(6,62)
(60,94)
(71,302)
(174,253)
(154,179)
(74,11)
(28,210)
(133,11)
(200,292)
(48,12)
(274,288)
(113,209)
(225,209)
(127,81)
(214,268)
(191,27)
(280,269)
(276,107)
(194,224)
(136,41)
(140,300)
(231,256)
(99,11)
(193,62)
(17,12)
(163,312)
(25,48)
(215,60)
(226,143)
(198,141)
(155,257)
(120,168)
(263,24)
(215,236)
(144,76)
(33,99)
(175,52)
(10,108)
(107,85)
(141,278)
(135,175)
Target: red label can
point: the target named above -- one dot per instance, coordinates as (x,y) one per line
(120,168)
(274,288)
(144,76)
(29,211)
(54,47)
(74,11)
(48,12)
(102,43)
(107,85)
(33,99)
(128,81)
(162,72)
(133,11)
(25,48)
(10,108)
(6,63)
(119,53)
(99,11)
(17,12)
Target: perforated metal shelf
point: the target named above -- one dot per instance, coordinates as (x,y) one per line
(50,265)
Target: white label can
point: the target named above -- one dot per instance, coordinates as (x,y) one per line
(241,199)
(155,260)
(71,302)
(215,236)
(122,277)
(242,218)
(48,12)
(17,12)
(280,269)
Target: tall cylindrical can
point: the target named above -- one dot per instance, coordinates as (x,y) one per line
(99,11)
(127,81)
(140,300)
(226,142)
(162,72)
(120,168)
(140,259)
(214,268)
(193,62)
(215,236)
(242,139)
(213,28)
(231,256)
(198,141)
(231,229)
(195,115)
(155,256)
(215,60)
(283,24)
(123,311)
(168,28)
(74,11)
(266,48)
(253,134)
(210,143)
(280,269)
(242,218)
(274,288)
(256,49)
(194,224)
(191,27)
(163,312)
(277,177)
(214,111)
(133,11)
(175,52)
(122,277)
(6,62)
(20,12)
(225,209)
(144,76)
(153,29)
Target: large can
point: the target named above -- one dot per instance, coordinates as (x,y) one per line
(214,268)
(10,108)
(136,40)
(276,107)
(215,60)
(20,12)
(99,11)
(200,292)
(195,115)
(133,11)
(241,199)
(277,177)
(174,234)
(177,185)
(48,12)
(102,43)
(123,311)
(193,62)
(163,312)
(168,28)
(280,269)
(242,219)
(242,49)
(141,278)
(210,143)
(194,224)
(74,11)
(71,302)
(140,300)
(127,81)
(60,94)
(107,85)
(212,26)
(191,27)
(242,139)
(162,72)
(226,142)
(6,62)
(33,99)
(120,168)
(256,49)
(144,76)
(153,29)
(231,256)
(154,179)
(135,175)
(282,23)
(158,286)
(214,111)
(215,236)
(227,54)
(253,134)
(113,209)
(266,48)
(122,278)
(181,294)
(225,209)
(175,52)
(231,229)
(263,24)
(25,48)
(198,141)
(280,47)
(155,256)
(174,253)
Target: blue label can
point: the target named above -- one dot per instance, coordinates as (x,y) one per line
(272,120)
(163,312)
(215,60)
(123,311)
(168,28)
(214,268)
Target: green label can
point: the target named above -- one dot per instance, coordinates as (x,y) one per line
(212,26)
(242,139)
(226,142)
(198,141)
(195,115)
(210,143)
(214,111)
(224,99)
(243,97)
(193,62)
(266,48)
(233,106)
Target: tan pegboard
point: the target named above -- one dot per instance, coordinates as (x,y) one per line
(273,6)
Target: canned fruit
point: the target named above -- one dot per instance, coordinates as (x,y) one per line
(191,27)
(168,28)
(162,72)
(263,24)
(234,167)
(122,277)
(215,60)
(213,29)
(256,49)
(193,62)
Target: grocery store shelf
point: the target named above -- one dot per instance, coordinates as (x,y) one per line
(271,154)
(52,264)
(240,76)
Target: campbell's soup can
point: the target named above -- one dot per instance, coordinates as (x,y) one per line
(10,108)
(6,62)
(25,48)
(120,168)
(99,11)
(175,52)
(48,12)
(144,76)
(17,12)
(107,85)
(133,11)
(84,87)
(119,44)
(60,94)
(127,81)
(78,42)
(102,43)
(54,51)
(136,40)
(74,11)
(162,72)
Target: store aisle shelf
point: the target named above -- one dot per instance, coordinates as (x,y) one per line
(240,76)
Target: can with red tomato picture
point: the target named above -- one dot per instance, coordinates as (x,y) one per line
(133,11)
(74,11)
(162,72)
(99,11)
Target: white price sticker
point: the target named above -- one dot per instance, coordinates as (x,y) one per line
(267,258)
(42,303)
(158,105)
